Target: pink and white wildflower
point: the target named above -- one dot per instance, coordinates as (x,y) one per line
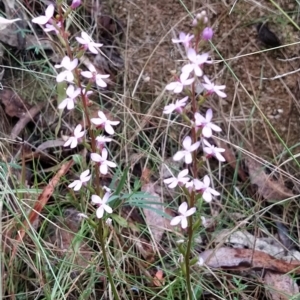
(77,184)
(206,124)
(102,160)
(88,43)
(204,188)
(42,20)
(101,140)
(177,106)
(51,27)
(188,149)
(185,39)
(92,74)
(212,150)
(196,64)
(74,140)
(103,122)
(69,102)
(181,179)
(184,213)
(212,88)
(69,66)
(102,205)
(177,86)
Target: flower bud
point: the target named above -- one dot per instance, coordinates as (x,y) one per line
(75,4)
(207,34)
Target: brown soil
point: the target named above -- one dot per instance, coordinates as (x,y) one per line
(257,104)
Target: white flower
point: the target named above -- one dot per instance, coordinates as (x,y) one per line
(88,42)
(178,105)
(108,222)
(211,150)
(42,20)
(185,39)
(204,188)
(172,182)
(102,159)
(102,205)
(104,122)
(212,88)
(196,62)
(69,66)
(184,213)
(73,140)
(200,262)
(70,100)
(77,184)
(92,74)
(188,149)
(5,22)
(206,124)
(101,140)
(177,86)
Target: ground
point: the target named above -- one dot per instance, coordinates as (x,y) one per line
(247,72)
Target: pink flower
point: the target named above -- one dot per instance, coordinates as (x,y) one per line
(102,205)
(205,189)
(212,88)
(77,184)
(206,124)
(69,66)
(196,62)
(172,182)
(42,20)
(92,74)
(102,160)
(73,140)
(177,106)
(211,150)
(207,33)
(177,86)
(185,39)
(188,149)
(184,213)
(88,42)
(70,100)
(50,27)
(105,123)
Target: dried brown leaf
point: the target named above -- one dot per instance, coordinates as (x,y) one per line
(267,187)
(15,106)
(237,259)
(280,287)
(154,220)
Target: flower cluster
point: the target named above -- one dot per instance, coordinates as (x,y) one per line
(71,74)
(192,75)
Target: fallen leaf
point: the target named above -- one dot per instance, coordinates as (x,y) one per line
(267,187)
(154,220)
(280,287)
(41,202)
(241,259)
(15,106)
(61,233)
(25,118)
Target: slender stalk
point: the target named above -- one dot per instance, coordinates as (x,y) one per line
(107,268)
